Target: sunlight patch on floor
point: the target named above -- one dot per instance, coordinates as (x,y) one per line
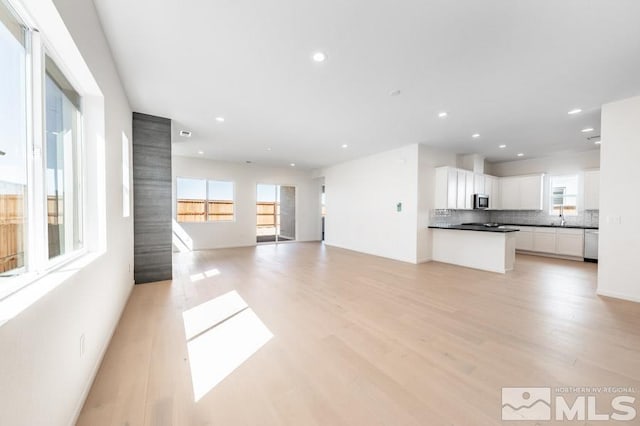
(221,335)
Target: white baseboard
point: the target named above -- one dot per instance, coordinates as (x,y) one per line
(329,244)
(617,295)
(554,256)
(96,367)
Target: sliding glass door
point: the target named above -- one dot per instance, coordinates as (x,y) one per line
(275,213)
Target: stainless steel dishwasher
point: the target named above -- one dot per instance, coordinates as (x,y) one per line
(591,245)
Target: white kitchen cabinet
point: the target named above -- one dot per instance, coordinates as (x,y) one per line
(479,183)
(452,189)
(531,192)
(524,238)
(455,188)
(558,241)
(469,190)
(488,189)
(510,193)
(446,190)
(462,189)
(544,240)
(492,189)
(570,242)
(521,192)
(592,190)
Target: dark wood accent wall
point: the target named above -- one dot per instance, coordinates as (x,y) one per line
(152,198)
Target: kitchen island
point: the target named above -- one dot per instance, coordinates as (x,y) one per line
(475,246)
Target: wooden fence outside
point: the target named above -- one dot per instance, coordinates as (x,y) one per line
(11,232)
(201,210)
(267,213)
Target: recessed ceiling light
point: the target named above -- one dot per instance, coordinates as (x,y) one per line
(344,145)
(587,130)
(268,149)
(292,164)
(575,111)
(520,154)
(502,146)
(185,133)
(475,135)
(395,93)
(200,152)
(598,142)
(220,119)
(319,57)
(442,114)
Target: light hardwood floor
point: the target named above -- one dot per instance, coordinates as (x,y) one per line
(362,340)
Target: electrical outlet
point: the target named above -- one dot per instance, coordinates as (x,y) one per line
(82,339)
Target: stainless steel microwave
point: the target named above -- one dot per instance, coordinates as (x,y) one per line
(480,201)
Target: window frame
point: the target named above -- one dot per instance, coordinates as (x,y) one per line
(78,165)
(37,263)
(206,200)
(551,196)
(13,17)
(233,202)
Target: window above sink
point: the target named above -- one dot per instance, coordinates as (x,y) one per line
(563,195)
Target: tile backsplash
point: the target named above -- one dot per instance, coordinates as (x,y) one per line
(541,217)
(522,217)
(454,217)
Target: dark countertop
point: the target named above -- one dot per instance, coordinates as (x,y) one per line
(538,225)
(480,228)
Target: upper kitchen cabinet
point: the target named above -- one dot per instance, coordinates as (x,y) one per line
(592,190)
(492,190)
(469,190)
(479,183)
(531,188)
(455,188)
(462,190)
(521,192)
(446,190)
(510,193)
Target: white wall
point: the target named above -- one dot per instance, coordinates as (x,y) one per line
(428,160)
(560,163)
(242,232)
(619,201)
(361,204)
(43,378)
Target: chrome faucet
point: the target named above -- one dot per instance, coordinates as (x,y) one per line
(562,221)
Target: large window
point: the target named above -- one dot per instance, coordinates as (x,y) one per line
(220,201)
(563,195)
(41,168)
(63,165)
(13,144)
(201,200)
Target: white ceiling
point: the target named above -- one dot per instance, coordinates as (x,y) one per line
(507,69)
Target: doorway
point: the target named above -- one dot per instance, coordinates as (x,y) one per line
(275,213)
